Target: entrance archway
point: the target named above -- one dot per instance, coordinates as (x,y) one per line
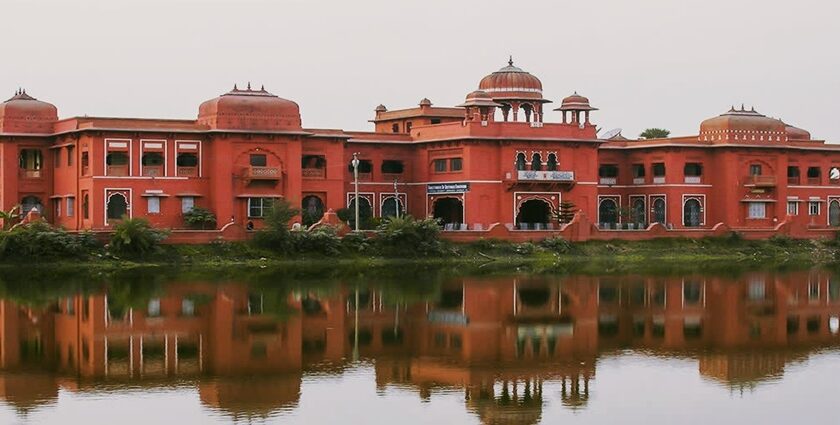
(608,212)
(117,206)
(448,210)
(691,213)
(534,211)
(312,209)
(834,213)
(30,202)
(659,211)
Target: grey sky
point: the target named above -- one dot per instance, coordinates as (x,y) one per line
(645,63)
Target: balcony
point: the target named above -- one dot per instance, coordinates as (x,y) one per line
(314,173)
(760,181)
(31,174)
(262,173)
(693,179)
(187,171)
(116,170)
(153,170)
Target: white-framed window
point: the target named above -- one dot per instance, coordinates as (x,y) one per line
(813,208)
(756,210)
(71,206)
(259,207)
(793,208)
(153,205)
(187,204)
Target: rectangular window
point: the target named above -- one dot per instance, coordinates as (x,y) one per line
(85,164)
(70,156)
(71,206)
(187,204)
(57,207)
(813,208)
(259,207)
(440,165)
(258,160)
(455,164)
(658,169)
(85,205)
(153,205)
(755,169)
(793,208)
(756,210)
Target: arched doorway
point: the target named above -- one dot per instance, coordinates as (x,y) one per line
(533,211)
(365,212)
(834,213)
(608,212)
(638,211)
(448,210)
(659,211)
(117,206)
(691,213)
(312,209)
(390,207)
(30,202)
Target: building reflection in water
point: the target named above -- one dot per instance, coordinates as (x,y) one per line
(499,340)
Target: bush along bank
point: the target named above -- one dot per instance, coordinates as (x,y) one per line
(404,238)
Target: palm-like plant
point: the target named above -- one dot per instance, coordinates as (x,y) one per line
(10,216)
(135,236)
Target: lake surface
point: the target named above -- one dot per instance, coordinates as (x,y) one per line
(421,347)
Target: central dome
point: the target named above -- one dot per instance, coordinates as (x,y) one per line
(250,110)
(511,82)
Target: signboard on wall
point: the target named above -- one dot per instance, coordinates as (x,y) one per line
(440,188)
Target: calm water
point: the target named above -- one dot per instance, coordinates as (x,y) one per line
(427,347)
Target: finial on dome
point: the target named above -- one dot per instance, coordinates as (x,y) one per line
(510,61)
(743,109)
(732,108)
(752,109)
(249,86)
(234,87)
(262,87)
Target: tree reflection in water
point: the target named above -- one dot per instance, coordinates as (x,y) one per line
(246,344)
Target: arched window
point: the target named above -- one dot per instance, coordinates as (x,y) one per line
(117,206)
(834,213)
(551,164)
(536,162)
(638,211)
(30,202)
(312,209)
(86,206)
(659,210)
(692,214)
(365,213)
(608,212)
(520,162)
(389,207)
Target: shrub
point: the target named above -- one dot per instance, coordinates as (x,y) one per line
(355,242)
(136,237)
(406,236)
(557,244)
(200,218)
(322,240)
(40,241)
(781,240)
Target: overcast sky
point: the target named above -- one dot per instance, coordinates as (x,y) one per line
(644,63)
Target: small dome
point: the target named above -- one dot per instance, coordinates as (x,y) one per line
(746,125)
(479,98)
(796,133)
(511,82)
(23,113)
(425,102)
(250,110)
(576,102)
(381,108)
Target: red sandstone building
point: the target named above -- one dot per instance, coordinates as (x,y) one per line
(494,165)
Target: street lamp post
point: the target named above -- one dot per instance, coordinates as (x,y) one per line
(355,164)
(397,198)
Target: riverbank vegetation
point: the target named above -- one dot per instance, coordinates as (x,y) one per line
(394,240)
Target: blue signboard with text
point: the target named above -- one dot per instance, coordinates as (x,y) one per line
(438,188)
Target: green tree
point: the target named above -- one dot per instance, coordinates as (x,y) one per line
(655,133)
(567,212)
(276,233)
(10,216)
